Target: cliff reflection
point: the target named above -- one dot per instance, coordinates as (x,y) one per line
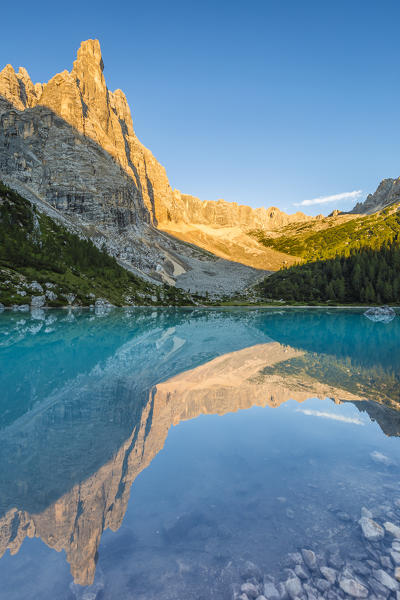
(69,463)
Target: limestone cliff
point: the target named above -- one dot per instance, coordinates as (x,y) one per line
(70,143)
(221,213)
(82,100)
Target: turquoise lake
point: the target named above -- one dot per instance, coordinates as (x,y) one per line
(199,454)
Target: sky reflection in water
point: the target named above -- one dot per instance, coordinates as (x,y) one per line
(247,435)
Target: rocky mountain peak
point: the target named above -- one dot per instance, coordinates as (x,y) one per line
(71,142)
(387,193)
(17,88)
(90,51)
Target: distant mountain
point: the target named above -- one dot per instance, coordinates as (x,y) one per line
(387,193)
(336,235)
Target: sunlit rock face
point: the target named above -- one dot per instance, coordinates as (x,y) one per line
(81,98)
(70,143)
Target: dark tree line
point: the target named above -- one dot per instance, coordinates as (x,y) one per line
(366,276)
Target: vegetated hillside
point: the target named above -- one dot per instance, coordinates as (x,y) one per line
(34,248)
(366,276)
(341,239)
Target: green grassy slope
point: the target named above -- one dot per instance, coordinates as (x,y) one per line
(33,247)
(310,241)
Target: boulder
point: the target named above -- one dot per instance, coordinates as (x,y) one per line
(353,588)
(294,587)
(270,591)
(386,580)
(382,314)
(1,307)
(38,301)
(249,570)
(20,307)
(310,559)
(301,572)
(51,295)
(35,287)
(393,529)
(102,306)
(329,574)
(70,298)
(371,530)
(250,590)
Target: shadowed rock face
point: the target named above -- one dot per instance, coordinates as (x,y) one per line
(117,418)
(70,143)
(82,99)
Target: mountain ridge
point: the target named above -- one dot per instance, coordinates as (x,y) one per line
(70,145)
(92,168)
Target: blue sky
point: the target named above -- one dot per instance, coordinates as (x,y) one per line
(260,102)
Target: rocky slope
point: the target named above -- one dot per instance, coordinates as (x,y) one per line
(69,145)
(387,193)
(42,263)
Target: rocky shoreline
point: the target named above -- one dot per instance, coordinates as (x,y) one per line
(372,571)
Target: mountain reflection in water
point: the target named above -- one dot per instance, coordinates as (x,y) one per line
(88,404)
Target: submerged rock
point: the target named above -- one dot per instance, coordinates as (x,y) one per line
(301,572)
(371,530)
(382,314)
(386,580)
(365,512)
(329,574)
(250,590)
(250,570)
(310,559)
(294,587)
(270,591)
(312,593)
(322,585)
(353,588)
(393,529)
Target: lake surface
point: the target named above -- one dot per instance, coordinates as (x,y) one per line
(194,454)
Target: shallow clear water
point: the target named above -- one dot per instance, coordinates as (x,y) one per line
(181,454)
